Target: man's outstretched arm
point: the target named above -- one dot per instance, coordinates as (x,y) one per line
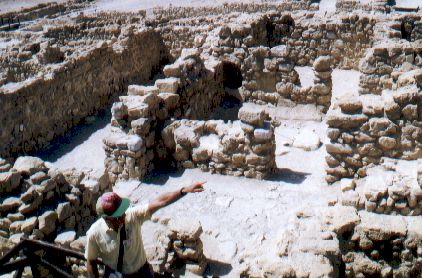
(171,197)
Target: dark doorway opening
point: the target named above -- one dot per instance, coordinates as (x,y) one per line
(232,76)
(406,29)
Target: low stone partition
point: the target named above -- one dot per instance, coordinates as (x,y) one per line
(366,128)
(192,89)
(386,190)
(47,204)
(77,80)
(240,148)
(382,66)
(319,93)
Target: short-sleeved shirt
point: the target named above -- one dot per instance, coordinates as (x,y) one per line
(103,242)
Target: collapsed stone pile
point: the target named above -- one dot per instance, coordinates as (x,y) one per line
(181,249)
(42,203)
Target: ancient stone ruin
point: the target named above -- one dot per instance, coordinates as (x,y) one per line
(304,118)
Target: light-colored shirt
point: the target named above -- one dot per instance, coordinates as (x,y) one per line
(103,242)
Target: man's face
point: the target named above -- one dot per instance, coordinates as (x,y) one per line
(115,222)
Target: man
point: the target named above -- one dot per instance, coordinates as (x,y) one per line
(103,238)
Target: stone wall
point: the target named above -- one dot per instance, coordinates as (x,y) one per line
(382,66)
(240,148)
(344,39)
(383,246)
(47,204)
(407,27)
(386,190)
(366,128)
(192,89)
(74,88)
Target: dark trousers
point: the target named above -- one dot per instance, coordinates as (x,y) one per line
(144,272)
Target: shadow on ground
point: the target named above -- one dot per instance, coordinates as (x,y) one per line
(162,175)
(288,176)
(74,137)
(217,269)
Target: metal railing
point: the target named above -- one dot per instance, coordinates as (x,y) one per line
(9,23)
(36,253)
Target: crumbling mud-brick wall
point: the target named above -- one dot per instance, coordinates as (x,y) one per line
(241,148)
(76,85)
(364,129)
(192,89)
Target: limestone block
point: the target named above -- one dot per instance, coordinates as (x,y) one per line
(5,224)
(29,224)
(347,184)
(125,142)
(263,134)
(173,70)
(338,149)
(29,195)
(185,229)
(405,95)
(10,204)
(9,181)
(185,136)
(189,53)
(322,63)
(350,105)
(46,186)
(307,140)
(387,143)
(64,210)
(38,177)
(380,127)
(281,51)
(29,165)
(382,227)
(15,216)
(15,227)
(64,239)
(168,85)
(170,100)
(252,115)
(47,222)
(30,207)
(138,90)
(345,121)
(119,111)
(410,78)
